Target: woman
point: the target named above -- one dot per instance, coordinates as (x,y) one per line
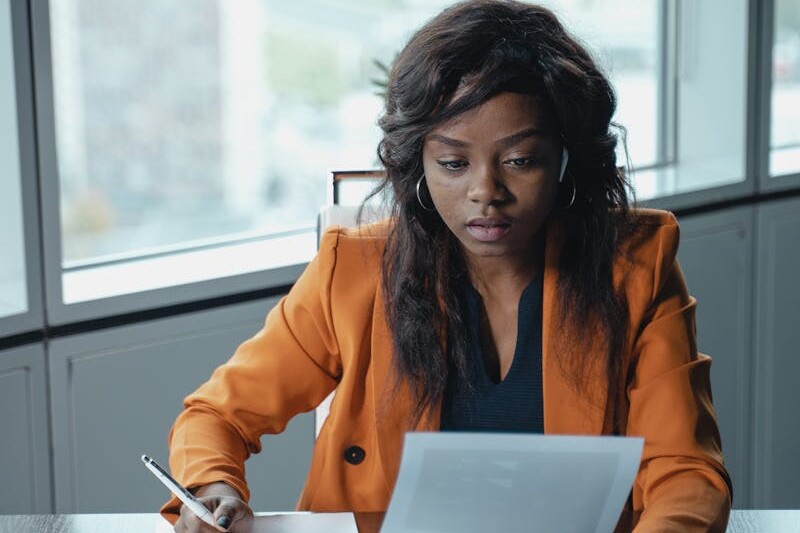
(512,289)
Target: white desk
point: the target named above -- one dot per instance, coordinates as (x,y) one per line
(741,522)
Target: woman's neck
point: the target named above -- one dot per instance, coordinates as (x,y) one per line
(503,278)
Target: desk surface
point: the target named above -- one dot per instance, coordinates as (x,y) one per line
(136,523)
(741,522)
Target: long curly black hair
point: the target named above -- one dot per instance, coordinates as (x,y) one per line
(495,46)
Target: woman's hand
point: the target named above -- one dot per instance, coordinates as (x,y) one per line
(231,513)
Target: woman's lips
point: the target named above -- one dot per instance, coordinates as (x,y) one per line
(488,230)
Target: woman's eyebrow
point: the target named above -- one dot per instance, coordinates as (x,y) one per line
(449,141)
(513,139)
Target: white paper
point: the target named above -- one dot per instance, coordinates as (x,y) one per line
(498,482)
(162,526)
(291,522)
(304,523)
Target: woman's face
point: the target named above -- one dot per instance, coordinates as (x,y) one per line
(492,173)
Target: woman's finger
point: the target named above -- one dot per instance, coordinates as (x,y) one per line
(230,511)
(191,523)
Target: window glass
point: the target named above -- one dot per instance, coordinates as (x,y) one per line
(706,67)
(624,37)
(180,123)
(785,134)
(185,123)
(13,292)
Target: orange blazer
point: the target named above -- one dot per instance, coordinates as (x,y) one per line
(330,332)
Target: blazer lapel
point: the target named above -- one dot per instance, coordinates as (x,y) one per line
(392,407)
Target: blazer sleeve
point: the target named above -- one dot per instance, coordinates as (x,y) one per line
(287,368)
(682,485)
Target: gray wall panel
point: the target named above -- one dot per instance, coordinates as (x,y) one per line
(24,441)
(716,257)
(777,394)
(117,392)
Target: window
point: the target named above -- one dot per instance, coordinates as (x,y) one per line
(13,285)
(184,124)
(785,131)
(193,141)
(187,124)
(189,127)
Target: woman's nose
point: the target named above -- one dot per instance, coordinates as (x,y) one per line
(486,188)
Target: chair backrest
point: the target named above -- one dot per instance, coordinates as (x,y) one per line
(345,215)
(357,179)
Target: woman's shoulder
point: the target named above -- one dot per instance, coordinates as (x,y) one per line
(354,249)
(375,232)
(342,238)
(647,217)
(648,249)
(649,229)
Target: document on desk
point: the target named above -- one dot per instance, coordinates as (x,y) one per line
(292,522)
(479,482)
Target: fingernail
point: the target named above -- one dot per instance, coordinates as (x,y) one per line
(224,522)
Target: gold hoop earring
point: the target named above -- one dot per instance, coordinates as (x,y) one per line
(419,198)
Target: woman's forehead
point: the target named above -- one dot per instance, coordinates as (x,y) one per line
(503,113)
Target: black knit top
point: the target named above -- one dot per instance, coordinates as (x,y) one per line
(515,403)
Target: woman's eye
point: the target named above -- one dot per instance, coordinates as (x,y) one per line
(452,165)
(521,162)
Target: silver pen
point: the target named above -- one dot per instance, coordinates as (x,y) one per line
(180,491)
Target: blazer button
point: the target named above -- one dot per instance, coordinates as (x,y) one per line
(354,455)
